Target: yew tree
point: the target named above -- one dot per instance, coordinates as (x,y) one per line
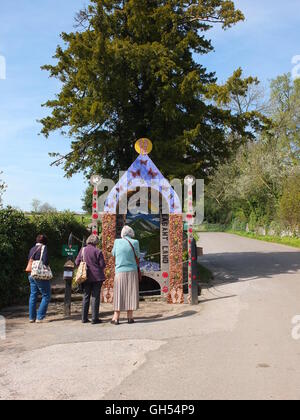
(133,69)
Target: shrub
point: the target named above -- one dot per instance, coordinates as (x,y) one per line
(275,229)
(17,236)
(240,221)
(57,227)
(290,203)
(15,233)
(252,222)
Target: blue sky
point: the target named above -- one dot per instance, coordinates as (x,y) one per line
(29,33)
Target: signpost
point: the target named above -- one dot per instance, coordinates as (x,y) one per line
(70,250)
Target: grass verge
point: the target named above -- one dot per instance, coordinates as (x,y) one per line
(293,242)
(289,241)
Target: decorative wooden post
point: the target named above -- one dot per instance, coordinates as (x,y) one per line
(192,258)
(68,277)
(95,181)
(109,227)
(194,291)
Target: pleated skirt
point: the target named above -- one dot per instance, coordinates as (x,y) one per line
(126,291)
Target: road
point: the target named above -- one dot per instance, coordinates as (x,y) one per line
(237,344)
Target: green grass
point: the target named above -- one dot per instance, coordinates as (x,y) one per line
(290,241)
(293,242)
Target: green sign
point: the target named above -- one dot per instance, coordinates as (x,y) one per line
(68,251)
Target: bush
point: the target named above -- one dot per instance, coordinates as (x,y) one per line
(290,203)
(240,221)
(17,236)
(15,239)
(252,222)
(57,227)
(275,229)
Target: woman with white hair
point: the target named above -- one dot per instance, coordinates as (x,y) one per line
(126,290)
(94,260)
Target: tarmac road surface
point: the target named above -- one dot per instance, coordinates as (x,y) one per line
(237,344)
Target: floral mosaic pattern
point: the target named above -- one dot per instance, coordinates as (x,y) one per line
(108,238)
(176,264)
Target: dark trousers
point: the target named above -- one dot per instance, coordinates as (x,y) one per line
(94,290)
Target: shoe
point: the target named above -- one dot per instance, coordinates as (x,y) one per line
(113,322)
(96,322)
(86,322)
(131,321)
(40,321)
(32,321)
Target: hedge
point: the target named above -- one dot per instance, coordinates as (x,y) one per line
(17,236)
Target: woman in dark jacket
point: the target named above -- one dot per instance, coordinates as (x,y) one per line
(39,286)
(95,277)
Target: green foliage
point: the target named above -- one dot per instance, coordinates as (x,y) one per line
(87,200)
(57,227)
(253,183)
(15,241)
(240,221)
(17,236)
(289,241)
(212,227)
(276,228)
(285,112)
(129,71)
(252,222)
(290,202)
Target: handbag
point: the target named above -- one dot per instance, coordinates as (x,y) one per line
(39,270)
(28,269)
(137,261)
(81,275)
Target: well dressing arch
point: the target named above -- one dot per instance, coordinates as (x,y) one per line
(144,185)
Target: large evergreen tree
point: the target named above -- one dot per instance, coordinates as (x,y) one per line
(132,69)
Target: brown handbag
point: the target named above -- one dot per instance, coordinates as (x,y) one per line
(137,261)
(28,269)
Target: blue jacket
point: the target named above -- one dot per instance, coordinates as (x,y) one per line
(123,253)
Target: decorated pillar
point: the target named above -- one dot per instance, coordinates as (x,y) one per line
(109,226)
(176,263)
(95,181)
(190,182)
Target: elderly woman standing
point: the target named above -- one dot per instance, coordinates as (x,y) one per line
(95,277)
(39,251)
(126,289)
